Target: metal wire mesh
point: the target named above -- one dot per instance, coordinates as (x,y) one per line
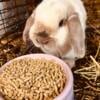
(13,14)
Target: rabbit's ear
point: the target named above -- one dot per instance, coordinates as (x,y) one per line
(77,35)
(28,25)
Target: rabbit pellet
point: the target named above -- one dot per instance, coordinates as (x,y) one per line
(29,79)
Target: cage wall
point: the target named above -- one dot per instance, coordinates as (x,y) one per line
(13,14)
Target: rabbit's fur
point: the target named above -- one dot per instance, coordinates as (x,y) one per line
(58,28)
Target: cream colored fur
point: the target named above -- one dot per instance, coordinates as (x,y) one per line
(47,16)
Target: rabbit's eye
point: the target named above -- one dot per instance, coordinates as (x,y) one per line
(61,23)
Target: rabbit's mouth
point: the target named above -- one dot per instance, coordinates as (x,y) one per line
(51,48)
(38,44)
(43,41)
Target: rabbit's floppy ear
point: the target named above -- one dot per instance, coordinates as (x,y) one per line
(77,35)
(28,25)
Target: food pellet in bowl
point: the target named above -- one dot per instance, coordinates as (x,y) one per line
(32,79)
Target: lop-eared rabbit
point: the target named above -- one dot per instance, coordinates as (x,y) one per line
(57,27)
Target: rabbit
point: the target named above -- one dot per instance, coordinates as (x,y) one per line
(57,27)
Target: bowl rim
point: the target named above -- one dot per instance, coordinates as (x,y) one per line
(67,70)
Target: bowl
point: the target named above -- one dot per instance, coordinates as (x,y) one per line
(67,93)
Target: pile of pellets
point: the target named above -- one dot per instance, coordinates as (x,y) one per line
(32,79)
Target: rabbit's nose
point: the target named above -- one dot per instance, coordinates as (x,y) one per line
(42,34)
(42,38)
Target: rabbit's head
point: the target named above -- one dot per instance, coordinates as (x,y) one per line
(56,31)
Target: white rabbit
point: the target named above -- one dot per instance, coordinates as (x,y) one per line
(58,28)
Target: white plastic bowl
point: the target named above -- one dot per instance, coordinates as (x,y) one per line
(67,93)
